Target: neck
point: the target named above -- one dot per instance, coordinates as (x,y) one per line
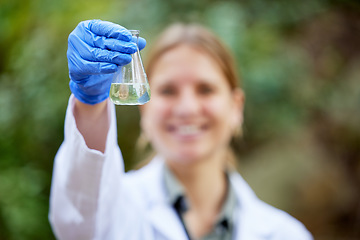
(204,182)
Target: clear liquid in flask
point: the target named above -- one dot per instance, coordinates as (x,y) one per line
(130,93)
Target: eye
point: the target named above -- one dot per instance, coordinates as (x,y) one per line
(167,90)
(206,89)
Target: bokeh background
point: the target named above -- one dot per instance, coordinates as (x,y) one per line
(300,68)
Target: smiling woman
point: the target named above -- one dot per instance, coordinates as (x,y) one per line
(187,191)
(196,63)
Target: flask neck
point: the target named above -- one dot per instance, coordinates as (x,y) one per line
(135,34)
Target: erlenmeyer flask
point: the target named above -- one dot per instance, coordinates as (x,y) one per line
(130,85)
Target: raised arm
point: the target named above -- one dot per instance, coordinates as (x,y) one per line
(95,51)
(88,166)
(92,122)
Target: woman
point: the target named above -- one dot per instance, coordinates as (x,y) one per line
(188,191)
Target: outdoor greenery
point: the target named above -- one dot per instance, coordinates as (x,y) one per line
(300,68)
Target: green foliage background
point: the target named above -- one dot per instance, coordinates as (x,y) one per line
(300,68)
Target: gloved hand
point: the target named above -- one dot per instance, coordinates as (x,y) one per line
(95,51)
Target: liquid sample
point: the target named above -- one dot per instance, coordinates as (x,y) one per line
(129,93)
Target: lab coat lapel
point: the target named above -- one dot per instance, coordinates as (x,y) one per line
(250,224)
(166,223)
(160,214)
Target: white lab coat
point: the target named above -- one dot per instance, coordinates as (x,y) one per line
(92,198)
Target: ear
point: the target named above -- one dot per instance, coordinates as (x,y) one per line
(239,102)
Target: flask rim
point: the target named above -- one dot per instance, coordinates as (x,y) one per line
(134,32)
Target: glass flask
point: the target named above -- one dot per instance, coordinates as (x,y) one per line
(130,85)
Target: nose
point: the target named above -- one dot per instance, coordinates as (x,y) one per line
(188,104)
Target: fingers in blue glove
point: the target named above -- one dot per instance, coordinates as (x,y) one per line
(78,69)
(77,47)
(108,29)
(120,45)
(114,45)
(141,42)
(112,30)
(83,35)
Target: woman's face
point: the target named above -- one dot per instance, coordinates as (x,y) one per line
(192,112)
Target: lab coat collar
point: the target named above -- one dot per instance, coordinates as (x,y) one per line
(161,215)
(166,222)
(251,220)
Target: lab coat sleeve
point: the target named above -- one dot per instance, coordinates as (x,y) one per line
(85,183)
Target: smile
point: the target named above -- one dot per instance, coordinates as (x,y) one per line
(188,130)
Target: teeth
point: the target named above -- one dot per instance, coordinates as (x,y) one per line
(188,129)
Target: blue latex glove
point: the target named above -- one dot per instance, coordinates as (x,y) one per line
(95,51)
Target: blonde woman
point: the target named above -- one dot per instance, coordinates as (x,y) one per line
(188,190)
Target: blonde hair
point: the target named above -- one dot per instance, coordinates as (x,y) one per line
(201,38)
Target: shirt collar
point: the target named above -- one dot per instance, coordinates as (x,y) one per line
(176,195)
(173,187)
